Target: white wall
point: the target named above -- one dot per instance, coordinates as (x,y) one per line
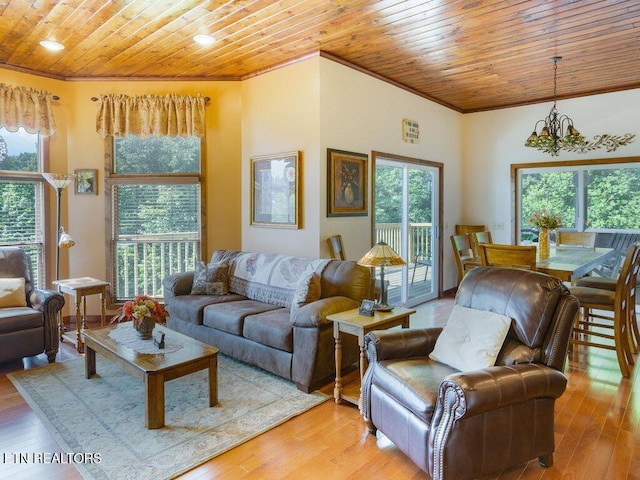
(494,140)
(363,114)
(319,104)
(280,114)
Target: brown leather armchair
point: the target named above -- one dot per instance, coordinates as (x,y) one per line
(458,425)
(28,330)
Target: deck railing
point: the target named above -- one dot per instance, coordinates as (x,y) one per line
(144,261)
(419,235)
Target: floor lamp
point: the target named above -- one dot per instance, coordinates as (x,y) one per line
(382,255)
(60,181)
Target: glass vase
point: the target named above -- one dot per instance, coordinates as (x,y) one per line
(543,243)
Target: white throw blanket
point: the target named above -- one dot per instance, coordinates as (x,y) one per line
(271,278)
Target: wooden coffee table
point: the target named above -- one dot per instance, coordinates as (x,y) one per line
(153,369)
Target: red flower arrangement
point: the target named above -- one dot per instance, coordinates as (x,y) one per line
(140,307)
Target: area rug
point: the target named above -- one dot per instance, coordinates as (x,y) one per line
(105,415)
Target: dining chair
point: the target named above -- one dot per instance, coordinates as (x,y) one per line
(605,309)
(513,256)
(479,237)
(463,254)
(336,249)
(577,239)
(469,229)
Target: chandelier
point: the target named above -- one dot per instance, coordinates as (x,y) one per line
(559,133)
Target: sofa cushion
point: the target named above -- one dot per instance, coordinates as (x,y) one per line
(229,317)
(270,328)
(12,292)
(190,307)
(471,339)
(413,382)
(211,279)
(308,291)
(19,318)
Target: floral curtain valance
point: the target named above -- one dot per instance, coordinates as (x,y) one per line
(26,107)
(151,115)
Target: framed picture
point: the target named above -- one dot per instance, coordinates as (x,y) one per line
(275,188)
(86,181)
(367,308)
(347,183)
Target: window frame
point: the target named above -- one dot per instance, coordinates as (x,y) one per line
(45,258)
(567,165)
(112,178)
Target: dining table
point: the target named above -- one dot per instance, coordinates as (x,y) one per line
(567,263)
(571,263)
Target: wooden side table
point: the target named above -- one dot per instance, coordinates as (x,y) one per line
(353,323)
(80,288)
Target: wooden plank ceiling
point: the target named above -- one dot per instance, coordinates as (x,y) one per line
(468,55)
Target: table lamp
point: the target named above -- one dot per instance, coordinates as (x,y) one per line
(60,181)
(382,255)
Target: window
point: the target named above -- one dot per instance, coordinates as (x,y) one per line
(155,206)
(602,197)
(22,196)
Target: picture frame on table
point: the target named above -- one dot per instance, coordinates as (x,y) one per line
(367,308)
(86,181)
(275,190)
(346,183)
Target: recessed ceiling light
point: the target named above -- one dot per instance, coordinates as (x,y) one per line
(51,45)
(205,40)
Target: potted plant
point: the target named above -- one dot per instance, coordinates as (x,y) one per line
(144,311)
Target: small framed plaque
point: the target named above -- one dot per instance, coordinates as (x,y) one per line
(367,308)
(410,131)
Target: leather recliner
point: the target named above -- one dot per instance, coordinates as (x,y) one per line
(26,331)
(458,425)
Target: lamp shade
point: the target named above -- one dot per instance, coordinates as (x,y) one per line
(59,180)
(381,255)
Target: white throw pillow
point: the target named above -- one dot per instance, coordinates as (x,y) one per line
(12,293)
(471,339)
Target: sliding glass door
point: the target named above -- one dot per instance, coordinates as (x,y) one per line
(406,217)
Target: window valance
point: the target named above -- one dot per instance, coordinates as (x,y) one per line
(26,107)
(151,115)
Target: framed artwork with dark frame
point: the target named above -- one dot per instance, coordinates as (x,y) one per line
(86,181)
(275,185)
(346,183)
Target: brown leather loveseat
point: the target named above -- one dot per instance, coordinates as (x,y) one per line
(463,424)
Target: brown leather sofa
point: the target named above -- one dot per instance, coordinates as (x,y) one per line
(31,327)
(459,425)
(250,325)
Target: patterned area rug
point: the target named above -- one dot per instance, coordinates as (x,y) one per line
(105,415)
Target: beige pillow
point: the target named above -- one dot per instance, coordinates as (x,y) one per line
(471,339)
(12,293)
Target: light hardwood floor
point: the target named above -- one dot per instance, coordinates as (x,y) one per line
(597,432)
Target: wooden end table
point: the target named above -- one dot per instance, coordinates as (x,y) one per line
(153,369)
(353,323)
(79,289)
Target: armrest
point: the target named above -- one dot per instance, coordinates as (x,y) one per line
(315,313)
(177,284)
(49,302)
(479,391)
(406,343)
(46,301)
